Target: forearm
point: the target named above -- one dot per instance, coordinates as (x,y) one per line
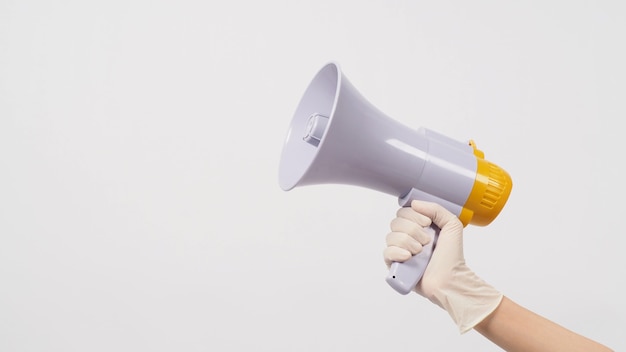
(514,328)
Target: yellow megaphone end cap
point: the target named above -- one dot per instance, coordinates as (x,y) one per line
(490,193)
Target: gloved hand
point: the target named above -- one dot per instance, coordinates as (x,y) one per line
(447,281)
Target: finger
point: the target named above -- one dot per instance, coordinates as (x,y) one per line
(412,229)
(410,214)
(439,215)
(404,241)
(395,254)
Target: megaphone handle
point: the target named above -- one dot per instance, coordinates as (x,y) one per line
(404,276)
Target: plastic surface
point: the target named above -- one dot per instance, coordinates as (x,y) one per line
(359,145)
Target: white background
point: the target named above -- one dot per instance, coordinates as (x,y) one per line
(139,147)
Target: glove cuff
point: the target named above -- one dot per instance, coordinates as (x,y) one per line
(467,298)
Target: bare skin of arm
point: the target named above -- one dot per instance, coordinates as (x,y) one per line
(515,328)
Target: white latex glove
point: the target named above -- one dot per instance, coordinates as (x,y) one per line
(447,281)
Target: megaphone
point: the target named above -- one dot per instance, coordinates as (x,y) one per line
(337,137)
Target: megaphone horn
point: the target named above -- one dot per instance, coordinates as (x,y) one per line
(337,137)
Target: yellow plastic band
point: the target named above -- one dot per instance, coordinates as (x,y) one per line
(490,192)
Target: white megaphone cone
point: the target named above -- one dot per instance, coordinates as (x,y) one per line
(337,137)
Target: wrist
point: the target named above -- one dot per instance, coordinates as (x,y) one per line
(466,297)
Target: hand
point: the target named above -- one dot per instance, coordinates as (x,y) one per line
(447,281)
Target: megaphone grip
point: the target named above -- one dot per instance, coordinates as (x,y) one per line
(403,276)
